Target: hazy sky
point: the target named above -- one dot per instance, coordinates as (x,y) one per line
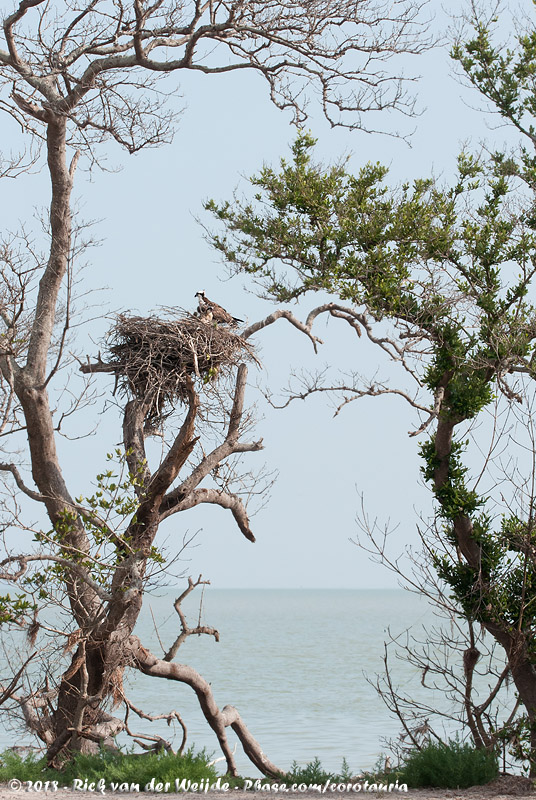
(153,253)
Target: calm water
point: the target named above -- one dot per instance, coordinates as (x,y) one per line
(292,661)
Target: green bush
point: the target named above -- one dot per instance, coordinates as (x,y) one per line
(314,772)
(449,766)
(29,768)
(111,766)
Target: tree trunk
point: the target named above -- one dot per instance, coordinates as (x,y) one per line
(520,660)
(30,380)
(107,618)
(30,383)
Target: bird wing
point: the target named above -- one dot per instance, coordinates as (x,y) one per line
(220,314)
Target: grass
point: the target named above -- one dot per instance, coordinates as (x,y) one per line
(449,766)
(111,767)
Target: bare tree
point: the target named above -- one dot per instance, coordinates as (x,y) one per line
(97,559)
(91,68)
(74,75)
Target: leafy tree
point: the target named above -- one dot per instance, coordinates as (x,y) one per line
(439,277)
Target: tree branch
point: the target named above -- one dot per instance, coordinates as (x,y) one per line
(215,457)
(77,569)
(215,496)
(218,720)
(179,451)
(284,314)
(39,498)
(185,630)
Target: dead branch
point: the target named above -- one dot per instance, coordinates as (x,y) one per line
(218,720)
(283,314)
(7,692)
(185,492)
(185,629)
(358,389)
(100,72)
(20,483)
(170,717)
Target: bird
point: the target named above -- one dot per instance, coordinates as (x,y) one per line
(206,307)
(205,315)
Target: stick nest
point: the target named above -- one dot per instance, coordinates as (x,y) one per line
(154,358)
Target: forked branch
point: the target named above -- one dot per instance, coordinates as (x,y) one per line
(218,720)
(185,629)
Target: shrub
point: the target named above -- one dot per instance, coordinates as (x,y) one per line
(111,766)
(449,766)
(313,772)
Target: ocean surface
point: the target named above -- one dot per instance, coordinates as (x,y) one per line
(293,662)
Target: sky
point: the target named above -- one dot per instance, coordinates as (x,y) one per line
(153,252)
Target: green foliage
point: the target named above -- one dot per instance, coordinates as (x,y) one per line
(313,772)
(454,497)
(453,363)
(438,260)
(312,228)
(346,234)
(451,266)
(345,773)
(451,766)
(13,608)
(498,587)
(111,766)
(29,768)
(141,768)
(516,738)
(106,515)
(503,75)
(114,495)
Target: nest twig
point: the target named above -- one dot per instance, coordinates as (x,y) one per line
(153,358)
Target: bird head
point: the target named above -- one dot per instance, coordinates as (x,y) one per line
(200,294)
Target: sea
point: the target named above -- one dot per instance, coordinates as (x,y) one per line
(298,664)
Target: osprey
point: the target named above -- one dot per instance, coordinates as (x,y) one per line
(205,315)
(209,311)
